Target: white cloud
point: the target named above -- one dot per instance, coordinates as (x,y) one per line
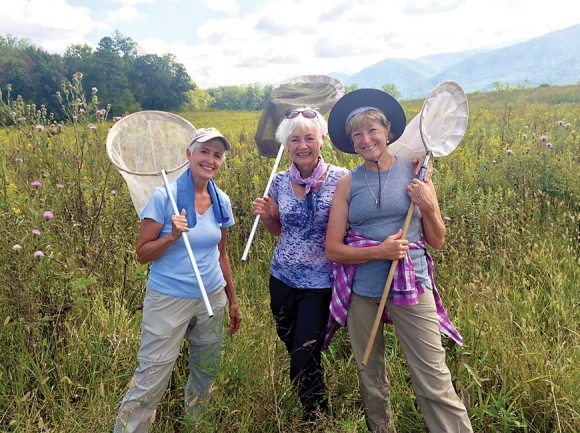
(223,42)
(228,6)
(134,2)
(126,13)
(51,24)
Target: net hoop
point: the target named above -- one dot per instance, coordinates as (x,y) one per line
(142,144)
(439,126)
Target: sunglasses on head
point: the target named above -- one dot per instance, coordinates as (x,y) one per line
(291,114)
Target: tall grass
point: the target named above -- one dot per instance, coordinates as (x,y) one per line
(509,272)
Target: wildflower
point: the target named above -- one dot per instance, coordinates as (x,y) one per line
(543,138)
(48,215)
(38,254)
(81,110)
(549,145)
(524,137)
(534,135)
(560,122)
(18,160)
(114,192)
(16,247)
(36,232)
(528,149)
(493,161)
(13,113)
(39,127)
(74,117)
(92,126)
(447,218)
(60,185)
(36,184)
(94,90)
(509,151)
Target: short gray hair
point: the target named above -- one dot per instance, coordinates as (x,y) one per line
(299,124)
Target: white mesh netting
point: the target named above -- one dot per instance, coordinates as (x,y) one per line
(442,122)
(141,144)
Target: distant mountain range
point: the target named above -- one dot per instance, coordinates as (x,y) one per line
(550,59)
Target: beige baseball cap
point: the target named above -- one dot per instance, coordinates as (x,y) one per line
(202,135)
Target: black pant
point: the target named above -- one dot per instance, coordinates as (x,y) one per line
(301,316)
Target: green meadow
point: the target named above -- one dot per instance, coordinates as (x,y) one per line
(72,289)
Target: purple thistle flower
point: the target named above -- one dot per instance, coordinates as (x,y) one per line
(13,113)
(561,122)
(549,145)
(543,138)
(38,254)
(36,232)
(509,151)
(114,192)
(528,149)
(16,247)
(48,215)
(94,90)
(524,137)
(92,126)
(59,185)
(36,184)
(39,127)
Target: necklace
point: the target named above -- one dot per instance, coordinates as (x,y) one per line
(381,189)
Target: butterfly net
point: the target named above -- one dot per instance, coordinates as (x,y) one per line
(441,123)
(315,91)
(142,144)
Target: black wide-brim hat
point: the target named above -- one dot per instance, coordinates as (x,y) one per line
(364,98)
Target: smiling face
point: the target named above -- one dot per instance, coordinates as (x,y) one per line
(303,146)
(206,160)
(370,139)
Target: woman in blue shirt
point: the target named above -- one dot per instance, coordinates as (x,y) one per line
(173,306)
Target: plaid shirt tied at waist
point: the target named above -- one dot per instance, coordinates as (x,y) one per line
(405,291)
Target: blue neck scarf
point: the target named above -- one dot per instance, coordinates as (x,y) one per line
(186,199)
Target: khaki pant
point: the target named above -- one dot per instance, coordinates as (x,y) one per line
(166,321)
(417,329)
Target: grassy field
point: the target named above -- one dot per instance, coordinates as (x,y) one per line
(71,288)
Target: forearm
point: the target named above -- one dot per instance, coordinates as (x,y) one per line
(433,228)
(152,250)
(273,225)
(347,255)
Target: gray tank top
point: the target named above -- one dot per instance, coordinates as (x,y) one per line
(380,222)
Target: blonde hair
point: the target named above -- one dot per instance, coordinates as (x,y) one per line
(366,118)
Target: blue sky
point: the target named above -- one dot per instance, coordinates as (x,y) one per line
(226,42)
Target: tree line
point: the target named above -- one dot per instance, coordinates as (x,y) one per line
(126,81)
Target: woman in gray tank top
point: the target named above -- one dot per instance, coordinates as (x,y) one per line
(370,206)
